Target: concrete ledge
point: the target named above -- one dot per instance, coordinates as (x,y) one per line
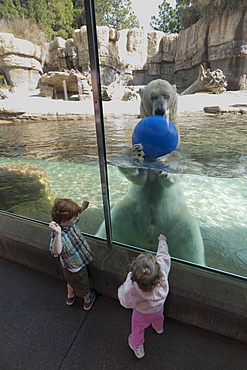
(199,296)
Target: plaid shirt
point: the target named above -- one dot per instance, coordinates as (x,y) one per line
(76,252)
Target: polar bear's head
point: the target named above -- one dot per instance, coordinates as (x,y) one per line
(159,97)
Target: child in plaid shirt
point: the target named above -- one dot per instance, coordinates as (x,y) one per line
(73,249)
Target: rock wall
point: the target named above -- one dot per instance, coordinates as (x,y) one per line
(20,62)
(25,190)
(220,44)
(137,56)
(141,57)
(133,53)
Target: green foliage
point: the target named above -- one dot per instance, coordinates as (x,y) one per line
(8,9)
(3,82)
(54,17)
(116,14)
(167,20)
(190,11)
(79,14)
(62,17)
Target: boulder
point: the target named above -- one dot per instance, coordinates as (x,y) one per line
(54,83)
(21,62)
(25,190)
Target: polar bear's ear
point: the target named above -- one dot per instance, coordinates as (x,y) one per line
(174,88)
(141,91)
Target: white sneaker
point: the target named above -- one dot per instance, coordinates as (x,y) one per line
(159,331)
(138,351)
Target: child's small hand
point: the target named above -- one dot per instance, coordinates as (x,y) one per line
(161,237)
(84,205)
(55,227)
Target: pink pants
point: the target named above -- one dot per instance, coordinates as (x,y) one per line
(140,321)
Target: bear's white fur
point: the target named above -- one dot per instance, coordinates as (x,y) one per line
(155,204)
(155,201)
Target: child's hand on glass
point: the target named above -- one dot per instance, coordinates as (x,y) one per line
(161,237)
(55,227)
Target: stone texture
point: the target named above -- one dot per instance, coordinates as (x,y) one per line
(142,57)
(138,56)
(21,62)
(219,44)
(53,83)
(25,190)
(11,45)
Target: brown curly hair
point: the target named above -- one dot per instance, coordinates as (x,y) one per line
(64,209)
(146,272)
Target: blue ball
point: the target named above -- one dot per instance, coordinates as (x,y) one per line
(156,135)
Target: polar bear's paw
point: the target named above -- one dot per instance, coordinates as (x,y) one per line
(135,153)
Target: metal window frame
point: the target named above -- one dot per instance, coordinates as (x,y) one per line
(98,111)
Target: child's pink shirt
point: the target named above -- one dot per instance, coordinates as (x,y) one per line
(130,296)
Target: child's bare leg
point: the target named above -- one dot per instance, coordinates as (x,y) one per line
(71,292)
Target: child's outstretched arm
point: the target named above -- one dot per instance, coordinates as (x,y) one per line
(162,237)
(163,256)
(57,243)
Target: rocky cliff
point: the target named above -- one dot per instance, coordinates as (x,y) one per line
(219,44)
(137,56)
(20,62)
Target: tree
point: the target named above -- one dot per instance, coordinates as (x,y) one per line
(61,14)
(116,14)
(79,14)
(8,9)
(190,11)
(55,17)
(61,17)
(167,20)
(112,13)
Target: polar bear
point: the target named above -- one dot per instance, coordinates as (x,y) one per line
(159,97)
(155,204)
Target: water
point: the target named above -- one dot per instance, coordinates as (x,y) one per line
(212,167)
(214,146)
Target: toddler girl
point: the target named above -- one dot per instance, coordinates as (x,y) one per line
(145,290)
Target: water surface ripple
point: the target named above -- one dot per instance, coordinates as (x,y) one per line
(212,145)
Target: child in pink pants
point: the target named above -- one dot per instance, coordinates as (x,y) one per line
(145,290)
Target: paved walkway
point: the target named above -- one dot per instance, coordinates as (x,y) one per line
(38,331)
